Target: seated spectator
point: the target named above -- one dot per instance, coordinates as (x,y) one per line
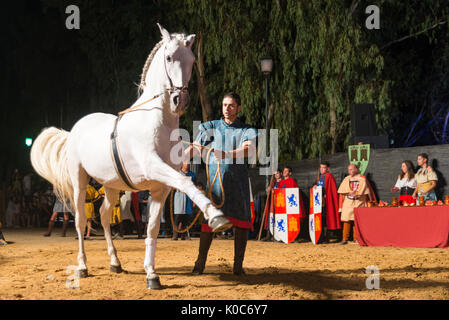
(406,183)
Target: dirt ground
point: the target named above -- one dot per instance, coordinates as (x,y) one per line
(34,267)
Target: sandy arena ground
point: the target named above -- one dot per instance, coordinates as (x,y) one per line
(34,267)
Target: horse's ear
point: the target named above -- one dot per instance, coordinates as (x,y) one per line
(165,33)
(189,40)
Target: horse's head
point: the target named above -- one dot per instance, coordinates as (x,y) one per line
(178,61)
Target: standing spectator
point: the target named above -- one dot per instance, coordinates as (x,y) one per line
(116,220)
(354,192)
(426,179)
(27,187)
(137,214)
(182,205)
(406,183)
(12,211)
(16,182)
(144,207)
(92,195)
(58,208)
(35,211)
(330,216)
(25,214)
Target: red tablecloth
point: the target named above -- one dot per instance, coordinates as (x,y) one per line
(405,227)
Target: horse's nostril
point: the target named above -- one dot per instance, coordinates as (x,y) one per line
(176,100)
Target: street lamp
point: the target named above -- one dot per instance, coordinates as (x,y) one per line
(266,65)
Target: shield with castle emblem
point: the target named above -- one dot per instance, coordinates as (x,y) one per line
(284,221)
(359,155)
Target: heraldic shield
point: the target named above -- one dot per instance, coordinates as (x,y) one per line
(284,221)
(359,155)
(316,206)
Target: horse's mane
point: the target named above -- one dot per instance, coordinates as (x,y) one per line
(143,84)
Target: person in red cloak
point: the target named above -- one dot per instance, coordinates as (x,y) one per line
(331,217)
(289,182)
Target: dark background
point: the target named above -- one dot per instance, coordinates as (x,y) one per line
(52,76)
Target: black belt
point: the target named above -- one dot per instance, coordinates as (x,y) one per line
(406,191)
(120,168)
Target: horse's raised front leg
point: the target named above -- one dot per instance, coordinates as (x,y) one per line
(158,196)
(110,198)
(162,172)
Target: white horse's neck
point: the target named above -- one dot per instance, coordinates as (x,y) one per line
(156,80)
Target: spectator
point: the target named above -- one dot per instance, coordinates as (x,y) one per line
(12,211)
(58,208)
(144,207)
(25,214)
(34,209)
(92,195)
(406,183)
(16,182)
(426,179)
(182,206)
(137,214)
(116,220)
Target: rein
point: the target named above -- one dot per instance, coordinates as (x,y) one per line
(217,174)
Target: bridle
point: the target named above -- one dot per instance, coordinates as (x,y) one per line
(171,90)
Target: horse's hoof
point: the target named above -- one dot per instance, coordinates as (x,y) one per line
(220,224)
(154,284)
(81,273)
(116,269)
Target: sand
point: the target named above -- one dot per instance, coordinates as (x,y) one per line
(34,267)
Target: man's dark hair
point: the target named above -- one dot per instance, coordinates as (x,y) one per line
(325,163)
(289,169)
(234,96)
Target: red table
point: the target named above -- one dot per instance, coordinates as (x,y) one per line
(404,227)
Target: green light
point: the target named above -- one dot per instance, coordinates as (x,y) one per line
(28,142)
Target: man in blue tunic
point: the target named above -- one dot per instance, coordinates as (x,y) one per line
(232,141)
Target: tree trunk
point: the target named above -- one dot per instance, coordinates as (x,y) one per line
(333,124)
(199,71)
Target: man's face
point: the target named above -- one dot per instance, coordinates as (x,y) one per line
(352,170)
(230,109)
(323,169)
(286,173)
(185,167)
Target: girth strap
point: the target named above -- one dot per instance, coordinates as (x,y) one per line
(116,159)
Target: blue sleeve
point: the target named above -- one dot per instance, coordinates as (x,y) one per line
(250,134)
(205,133)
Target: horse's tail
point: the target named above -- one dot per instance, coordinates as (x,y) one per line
(49,159)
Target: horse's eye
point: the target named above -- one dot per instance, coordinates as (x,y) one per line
(168,58)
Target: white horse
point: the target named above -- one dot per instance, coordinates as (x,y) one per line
(69,159)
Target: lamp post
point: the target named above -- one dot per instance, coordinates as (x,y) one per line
(266,65)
